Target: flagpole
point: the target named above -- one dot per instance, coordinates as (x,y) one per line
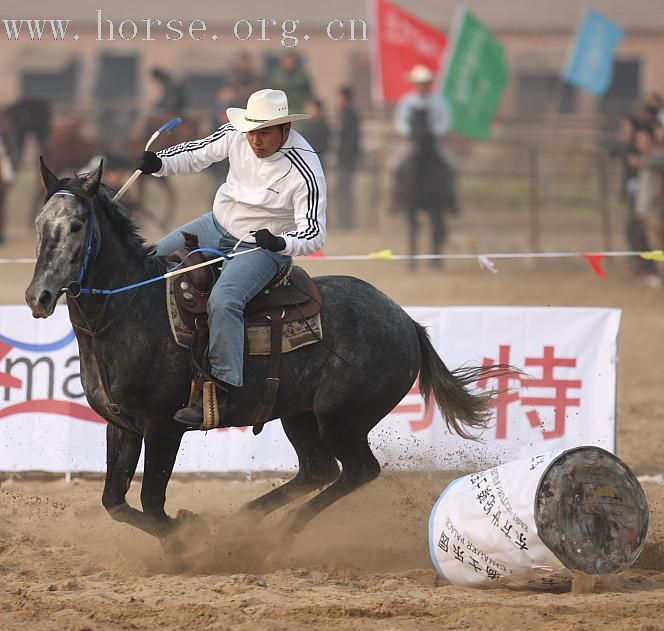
(448,51)
(377,69)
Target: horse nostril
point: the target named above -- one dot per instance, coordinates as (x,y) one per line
(45,298)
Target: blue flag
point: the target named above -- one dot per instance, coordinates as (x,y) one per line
(591,64)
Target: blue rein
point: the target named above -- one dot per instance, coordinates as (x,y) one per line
(75,289)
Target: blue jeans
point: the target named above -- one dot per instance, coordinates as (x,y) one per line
(240,280)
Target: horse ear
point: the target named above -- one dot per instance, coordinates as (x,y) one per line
(49,179)
(92,180)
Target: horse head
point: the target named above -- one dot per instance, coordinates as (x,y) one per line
(65,228)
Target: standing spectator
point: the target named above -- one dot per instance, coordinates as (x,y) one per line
(654,104)
(649,161)
(7,175)
(243,78)
(623,149)
(316,129)
(294,81)
(348,155)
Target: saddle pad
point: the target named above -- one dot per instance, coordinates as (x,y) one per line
(295,334)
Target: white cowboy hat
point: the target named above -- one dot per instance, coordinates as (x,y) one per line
(420,74)
(265,108)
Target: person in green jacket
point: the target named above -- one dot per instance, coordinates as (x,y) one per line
(294,81)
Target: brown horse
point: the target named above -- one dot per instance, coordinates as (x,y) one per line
(25,118)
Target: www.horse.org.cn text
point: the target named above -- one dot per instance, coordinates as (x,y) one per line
(150,29)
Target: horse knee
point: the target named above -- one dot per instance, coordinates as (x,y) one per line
(117,509)
(321,471)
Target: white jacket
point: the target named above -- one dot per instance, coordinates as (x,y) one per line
(285,193)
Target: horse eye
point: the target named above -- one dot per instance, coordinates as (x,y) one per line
(75,227)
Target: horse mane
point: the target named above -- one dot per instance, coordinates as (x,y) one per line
(117,216)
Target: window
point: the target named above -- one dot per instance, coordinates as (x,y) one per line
(117,78)
(201,89)
(56,84)
(625,89)
(538,94)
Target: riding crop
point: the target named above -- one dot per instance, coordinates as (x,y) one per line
(169,127)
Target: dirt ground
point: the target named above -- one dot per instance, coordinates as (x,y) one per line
(364,563)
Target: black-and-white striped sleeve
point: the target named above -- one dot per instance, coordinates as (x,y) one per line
(313,194)
(192,145)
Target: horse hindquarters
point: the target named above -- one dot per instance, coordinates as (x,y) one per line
(368,364)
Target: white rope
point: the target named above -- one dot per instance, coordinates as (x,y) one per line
(484,259)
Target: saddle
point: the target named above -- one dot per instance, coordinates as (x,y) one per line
(283,317)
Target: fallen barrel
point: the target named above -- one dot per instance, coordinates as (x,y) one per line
(532,522)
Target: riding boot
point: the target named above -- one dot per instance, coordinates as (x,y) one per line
(193,416)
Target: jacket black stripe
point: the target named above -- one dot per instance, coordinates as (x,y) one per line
(192,145)
(315,191)
(313,194)
(308,181)
(313,228)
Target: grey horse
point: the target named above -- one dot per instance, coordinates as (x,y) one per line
(134,375)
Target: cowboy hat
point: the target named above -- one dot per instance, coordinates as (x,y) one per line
(420,74)
(265,108)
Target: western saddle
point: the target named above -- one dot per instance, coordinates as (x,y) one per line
(291,296)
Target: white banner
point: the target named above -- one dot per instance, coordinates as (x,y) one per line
(569,354)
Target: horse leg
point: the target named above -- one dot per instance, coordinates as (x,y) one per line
(413,229)
(437,234)
(161,449)
(123,449)
(317,466)
(359,466)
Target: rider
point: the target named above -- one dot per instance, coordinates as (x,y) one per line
(274,197)
(439,114)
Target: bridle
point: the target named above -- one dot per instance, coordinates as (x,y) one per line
(75,288)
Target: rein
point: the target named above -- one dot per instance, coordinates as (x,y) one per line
(75,288)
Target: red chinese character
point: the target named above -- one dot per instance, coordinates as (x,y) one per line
(560,401)
(505,395)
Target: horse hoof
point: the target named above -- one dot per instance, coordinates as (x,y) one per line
(173,546)
(192,521)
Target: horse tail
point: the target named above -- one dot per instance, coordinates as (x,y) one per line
(460,408)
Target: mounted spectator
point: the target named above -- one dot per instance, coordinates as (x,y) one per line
(172,100)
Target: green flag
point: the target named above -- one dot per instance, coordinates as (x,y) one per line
(476,77)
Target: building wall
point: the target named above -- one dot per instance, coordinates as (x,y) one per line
(330,63)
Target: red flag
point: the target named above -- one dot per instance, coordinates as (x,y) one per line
(596,261)
(402,42)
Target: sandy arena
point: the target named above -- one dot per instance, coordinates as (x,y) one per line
(363,564)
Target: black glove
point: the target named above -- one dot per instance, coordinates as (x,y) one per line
(149,162)
(265,239)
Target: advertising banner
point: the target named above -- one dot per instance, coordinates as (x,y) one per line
(566,399)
